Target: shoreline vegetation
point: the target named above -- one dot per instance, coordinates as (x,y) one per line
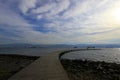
(91,70)
(12,63)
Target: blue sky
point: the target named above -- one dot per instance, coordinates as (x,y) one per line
(60,21)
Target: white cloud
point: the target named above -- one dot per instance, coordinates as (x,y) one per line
(25,5)
(45,8)
(51,9)
(9,17)
(67,21)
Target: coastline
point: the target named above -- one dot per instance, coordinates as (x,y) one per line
(76,69)
(12,63)
(91,70)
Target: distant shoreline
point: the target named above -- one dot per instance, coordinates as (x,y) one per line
(12,63)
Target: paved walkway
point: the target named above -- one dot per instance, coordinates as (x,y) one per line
(45,68)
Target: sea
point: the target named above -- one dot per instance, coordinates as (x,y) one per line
(32,51)
(104,54)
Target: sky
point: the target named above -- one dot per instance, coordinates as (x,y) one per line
(60,21)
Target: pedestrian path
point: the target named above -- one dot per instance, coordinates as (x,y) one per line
(45,68)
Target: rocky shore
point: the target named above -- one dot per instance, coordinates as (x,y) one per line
(11,64)
(91,70)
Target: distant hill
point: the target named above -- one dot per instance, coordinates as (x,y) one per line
(33,45)
(15,45)
(21,45)
(100,45)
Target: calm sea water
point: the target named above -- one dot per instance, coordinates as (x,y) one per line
(30,51)
(107,55)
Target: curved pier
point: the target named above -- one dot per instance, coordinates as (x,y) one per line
(45,68)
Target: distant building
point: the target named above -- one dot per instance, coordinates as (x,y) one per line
(91,47)
(75,47)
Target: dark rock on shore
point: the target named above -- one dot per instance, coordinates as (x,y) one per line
(91,70)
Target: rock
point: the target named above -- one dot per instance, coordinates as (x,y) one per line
(111,70)
(99,67)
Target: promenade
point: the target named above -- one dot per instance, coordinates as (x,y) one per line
(45,68)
